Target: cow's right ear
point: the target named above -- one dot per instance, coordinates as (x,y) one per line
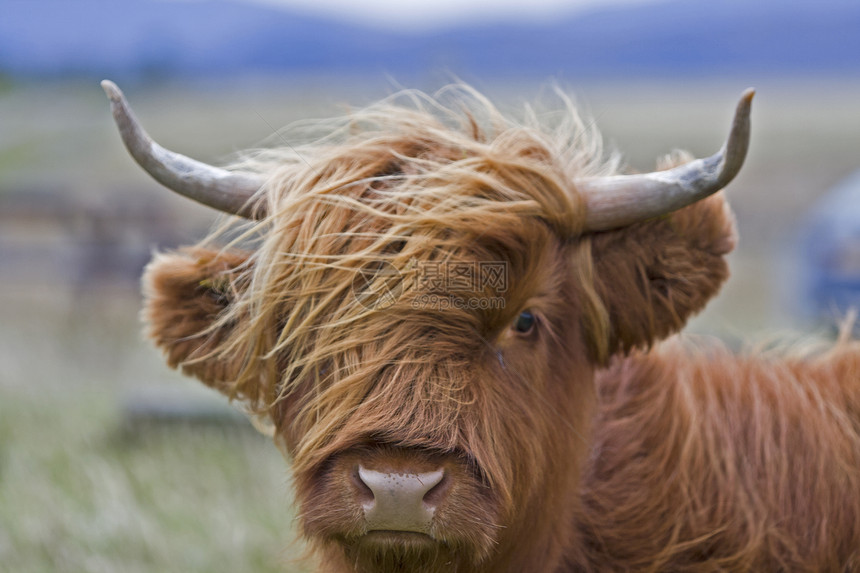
(186,294)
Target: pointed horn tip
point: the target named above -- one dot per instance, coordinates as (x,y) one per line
(112,90)
(746,99)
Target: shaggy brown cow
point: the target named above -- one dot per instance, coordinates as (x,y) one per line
(446,315)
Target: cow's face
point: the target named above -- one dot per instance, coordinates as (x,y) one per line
(433,435)
(420,319)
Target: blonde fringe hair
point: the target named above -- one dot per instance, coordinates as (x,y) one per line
(413,178)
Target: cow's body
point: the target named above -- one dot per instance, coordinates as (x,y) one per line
(516,427)
(704,460)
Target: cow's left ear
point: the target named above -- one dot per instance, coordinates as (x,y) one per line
(186,295)
(653,276)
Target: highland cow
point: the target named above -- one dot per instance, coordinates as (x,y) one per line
(452,322)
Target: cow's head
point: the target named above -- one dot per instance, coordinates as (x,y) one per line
(419,306)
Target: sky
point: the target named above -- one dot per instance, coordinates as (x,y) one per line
(428,14)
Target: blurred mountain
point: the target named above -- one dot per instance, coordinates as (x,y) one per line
(145,38)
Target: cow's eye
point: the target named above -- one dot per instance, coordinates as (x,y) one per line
(525,322)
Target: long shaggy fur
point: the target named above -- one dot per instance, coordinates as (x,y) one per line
(665,460)
(703,460)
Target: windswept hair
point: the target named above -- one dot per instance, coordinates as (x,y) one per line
(412,179)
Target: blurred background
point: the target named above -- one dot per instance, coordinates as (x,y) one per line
(109,461)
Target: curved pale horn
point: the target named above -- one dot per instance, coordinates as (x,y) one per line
(621,200)
(227,191)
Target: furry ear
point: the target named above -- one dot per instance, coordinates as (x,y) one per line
(654,275)
(185,293)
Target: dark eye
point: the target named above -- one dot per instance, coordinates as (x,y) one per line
(525,322)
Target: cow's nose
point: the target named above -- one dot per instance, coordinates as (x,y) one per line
(400,501)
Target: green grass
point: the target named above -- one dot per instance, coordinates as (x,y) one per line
(83,489)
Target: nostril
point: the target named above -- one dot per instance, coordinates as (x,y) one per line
(363,493)
(436,493)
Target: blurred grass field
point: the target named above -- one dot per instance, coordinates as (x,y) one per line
(84,488)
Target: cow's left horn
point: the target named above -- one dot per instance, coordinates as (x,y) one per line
(227,191)
(621,200)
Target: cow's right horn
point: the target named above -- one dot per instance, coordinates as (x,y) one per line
(622,200)
(227,191)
